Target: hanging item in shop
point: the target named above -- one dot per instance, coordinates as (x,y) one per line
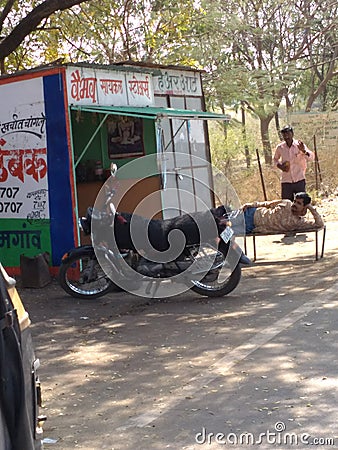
(125,137)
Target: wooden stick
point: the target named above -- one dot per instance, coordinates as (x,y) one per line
(316,158)
(261,174)
(316,167)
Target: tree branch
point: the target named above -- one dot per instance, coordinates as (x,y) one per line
(322,85)
(5,12)
(31,21)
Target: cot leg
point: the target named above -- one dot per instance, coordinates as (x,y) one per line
(254,247)
(323,241)
(316,245)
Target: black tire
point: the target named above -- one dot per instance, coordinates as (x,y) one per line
(217,288)
(78,283)
(226,280)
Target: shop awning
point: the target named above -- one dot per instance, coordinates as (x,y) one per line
(152,112)
(146,112)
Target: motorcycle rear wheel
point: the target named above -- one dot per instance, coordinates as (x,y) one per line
(81,276)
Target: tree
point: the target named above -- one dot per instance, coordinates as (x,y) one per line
(138,30)
(322,53)
(27,24)
(255,53)
(104,32)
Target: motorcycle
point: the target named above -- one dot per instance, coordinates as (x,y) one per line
(208,262)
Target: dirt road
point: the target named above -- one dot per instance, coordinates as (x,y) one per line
(124,372)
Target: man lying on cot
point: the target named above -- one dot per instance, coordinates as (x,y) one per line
(277,215)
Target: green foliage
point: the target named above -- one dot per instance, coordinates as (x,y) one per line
(228,144)
(29,32)
(108,32)
(257,54)
(262,53)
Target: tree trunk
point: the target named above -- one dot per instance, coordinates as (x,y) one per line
(264,125)
(277,122)
(246,148)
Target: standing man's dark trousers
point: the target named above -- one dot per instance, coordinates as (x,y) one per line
(290,189)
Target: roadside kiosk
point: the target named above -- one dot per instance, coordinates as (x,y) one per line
(63,126)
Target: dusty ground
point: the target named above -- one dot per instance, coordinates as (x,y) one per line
(328,208)
(124,372)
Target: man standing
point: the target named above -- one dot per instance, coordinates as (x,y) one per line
(291,158)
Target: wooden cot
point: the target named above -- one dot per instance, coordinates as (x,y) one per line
(312,230)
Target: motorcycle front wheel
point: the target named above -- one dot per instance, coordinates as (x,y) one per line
(81,276)
(219,282)
(222,285)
